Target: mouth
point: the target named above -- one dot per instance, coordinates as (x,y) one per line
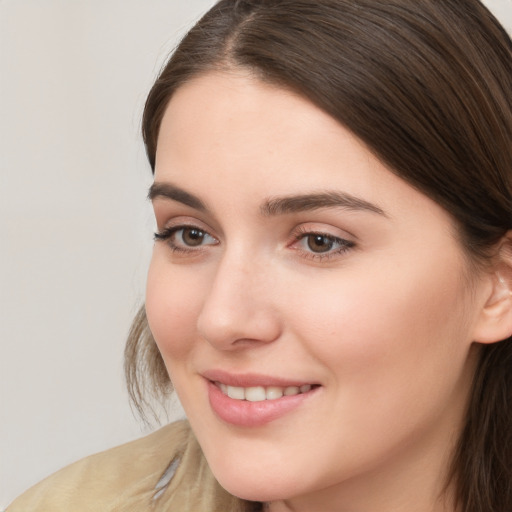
(252,400)
(261,393)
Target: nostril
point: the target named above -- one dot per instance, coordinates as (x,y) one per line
(237,327)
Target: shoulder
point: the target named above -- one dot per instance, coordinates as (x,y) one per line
(116,479)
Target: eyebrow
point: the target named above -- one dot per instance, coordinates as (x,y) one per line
(169,191)
(275,205)
(316,201)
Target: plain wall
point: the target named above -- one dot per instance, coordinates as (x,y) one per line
(75,227)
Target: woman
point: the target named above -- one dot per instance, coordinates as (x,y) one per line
(330,289)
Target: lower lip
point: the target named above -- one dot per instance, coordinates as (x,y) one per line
(244,413)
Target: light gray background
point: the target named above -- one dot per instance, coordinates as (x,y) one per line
(75,228)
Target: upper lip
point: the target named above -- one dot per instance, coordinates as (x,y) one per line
(246,380)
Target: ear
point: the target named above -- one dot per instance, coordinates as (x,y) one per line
(495,321)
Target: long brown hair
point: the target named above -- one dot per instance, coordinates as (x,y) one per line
(426,84)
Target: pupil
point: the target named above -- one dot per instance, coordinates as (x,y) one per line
(319,243)
(193,237)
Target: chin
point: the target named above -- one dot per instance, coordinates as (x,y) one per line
(251,490)
(258,484)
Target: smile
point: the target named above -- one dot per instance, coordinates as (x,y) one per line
(255,406)
(260,393)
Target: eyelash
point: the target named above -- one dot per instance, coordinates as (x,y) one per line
(167,236)
(301,234)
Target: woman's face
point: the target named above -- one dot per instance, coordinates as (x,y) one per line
(290,261)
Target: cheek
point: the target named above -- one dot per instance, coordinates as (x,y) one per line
(406,329)
(394,353)
(173,300)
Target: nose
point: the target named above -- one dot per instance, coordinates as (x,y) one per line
(239,310)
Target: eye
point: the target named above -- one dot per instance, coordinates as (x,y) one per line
(316,245)
(185,238)
(191,237)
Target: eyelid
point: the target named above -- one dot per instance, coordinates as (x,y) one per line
(346,243)
(312,228)
(167,220)
(178,224)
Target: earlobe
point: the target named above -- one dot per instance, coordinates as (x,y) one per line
(495,322)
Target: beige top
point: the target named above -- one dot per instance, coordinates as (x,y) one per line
(163,472)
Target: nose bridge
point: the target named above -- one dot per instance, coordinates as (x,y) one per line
(237,306)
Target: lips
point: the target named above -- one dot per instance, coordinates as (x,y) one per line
(252,400)
(246,380)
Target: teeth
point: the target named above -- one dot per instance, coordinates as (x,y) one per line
(259,393)
(256,394)
(292,390)
(273,393)
(236,393)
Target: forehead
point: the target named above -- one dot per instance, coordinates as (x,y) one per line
(228,135)
(235,121)
(239,101)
